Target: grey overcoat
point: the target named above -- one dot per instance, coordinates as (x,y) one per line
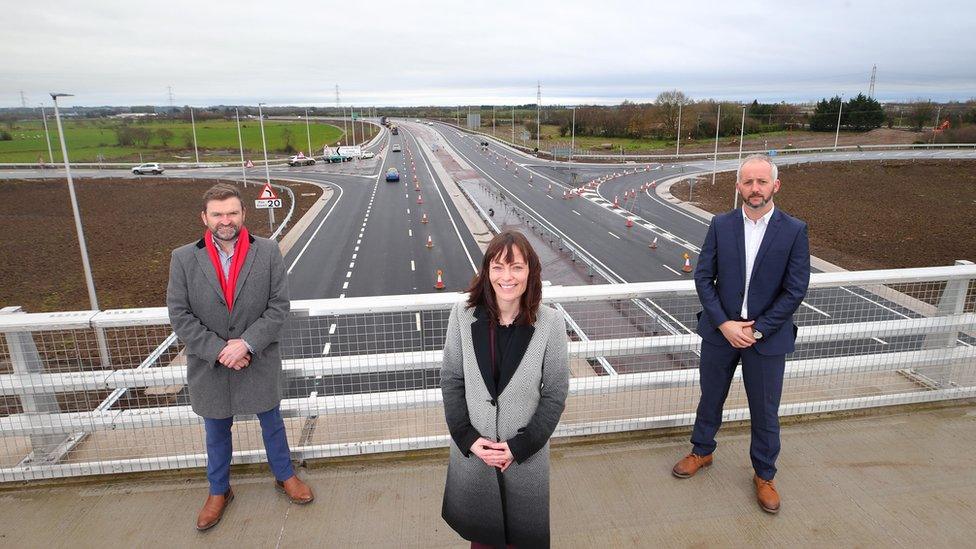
(481,503)
(200,318)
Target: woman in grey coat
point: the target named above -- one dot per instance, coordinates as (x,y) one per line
(505,378)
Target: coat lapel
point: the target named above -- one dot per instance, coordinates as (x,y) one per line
(482,348)
(246,267)
(207,266)
(513,358)
(740,242)
(767,240)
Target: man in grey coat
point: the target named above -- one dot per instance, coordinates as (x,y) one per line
(227,299)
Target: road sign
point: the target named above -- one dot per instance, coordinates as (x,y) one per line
(264,204)
(267,193)
(249,164)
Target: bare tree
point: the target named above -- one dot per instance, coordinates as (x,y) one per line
(668,104)
(922,111)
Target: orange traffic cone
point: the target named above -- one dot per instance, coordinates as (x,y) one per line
(424,219)
(416,186)
(687,267)
(420,199)
(439,285)
(630,223)
(430,242)
(616,202)
(653,244)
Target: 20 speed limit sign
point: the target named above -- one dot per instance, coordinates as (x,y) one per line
(263,204)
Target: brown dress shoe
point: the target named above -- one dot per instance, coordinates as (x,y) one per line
(690,464)
(296,490)
(213,510)
(767,495)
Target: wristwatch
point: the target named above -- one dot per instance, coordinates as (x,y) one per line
(757,334)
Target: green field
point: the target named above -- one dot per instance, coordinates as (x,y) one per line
(216,140)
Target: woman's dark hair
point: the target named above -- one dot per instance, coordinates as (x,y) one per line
(500,249)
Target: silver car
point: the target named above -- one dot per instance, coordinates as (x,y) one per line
(149,167)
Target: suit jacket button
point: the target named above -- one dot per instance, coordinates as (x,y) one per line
(232,328)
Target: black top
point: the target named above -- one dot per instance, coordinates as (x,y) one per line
(503,347)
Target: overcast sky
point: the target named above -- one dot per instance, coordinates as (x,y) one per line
(111,52)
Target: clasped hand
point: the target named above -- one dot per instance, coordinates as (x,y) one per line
(235,355)
(738,334)
(494,454)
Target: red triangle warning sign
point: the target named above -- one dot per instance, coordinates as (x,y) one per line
(249,164)
(267,193)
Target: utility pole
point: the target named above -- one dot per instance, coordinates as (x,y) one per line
(23,99)
(874,74)
(308,133)
(267,169)
(240,143)
(513,125)
(677,147)
(572,145)
(169,95)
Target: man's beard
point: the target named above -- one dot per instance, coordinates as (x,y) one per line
(761,205)
(236,231)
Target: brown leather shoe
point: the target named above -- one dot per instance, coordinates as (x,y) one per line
(213,510)
(767,495)
(690,464)
(296,490)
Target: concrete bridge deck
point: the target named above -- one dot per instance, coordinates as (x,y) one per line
(892,478)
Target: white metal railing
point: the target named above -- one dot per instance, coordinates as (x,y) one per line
(360,373)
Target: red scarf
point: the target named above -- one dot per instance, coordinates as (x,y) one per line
(228,283)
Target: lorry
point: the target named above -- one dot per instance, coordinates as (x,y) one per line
(341,154)
(383,120)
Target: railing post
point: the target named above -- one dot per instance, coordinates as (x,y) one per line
(26,360)
(951,302)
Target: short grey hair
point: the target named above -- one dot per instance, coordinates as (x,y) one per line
(773,170)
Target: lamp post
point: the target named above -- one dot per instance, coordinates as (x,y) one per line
(718,119)
(89,282)
(193,127)
(308,134)
(240,142)
(267,169)
(840,110)
(677,146)
(742,130)
(572,143)
(47,136)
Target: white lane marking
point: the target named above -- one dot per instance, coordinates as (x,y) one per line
(418,321)
(332,329)
(405,195)
(613,235)
(311,238)
(408,211)
(412,266)
(811,307)
(356,249)
(348,274)
(354,256)
(577,213)
(550,197)
(670,269)
(409,232)
(342,296)
(879,340)
(529,184)
(437,186)
(345,285)
(325,350)
(352,264)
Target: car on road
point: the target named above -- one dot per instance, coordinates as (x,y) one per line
(149,167)
(392,175)
(301,160)
(396,147)
(367,155)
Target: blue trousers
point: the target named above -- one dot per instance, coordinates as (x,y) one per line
(220,447)
(763,379)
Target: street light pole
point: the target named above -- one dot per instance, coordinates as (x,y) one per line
(742,130)
(840,110)
(513,125)
(352,122)
(677,147)
(47,136)
(240,142)
(572,143)
(718,119)
(493,121)
(308,134)
(193,127)
(89,282)
(267,169)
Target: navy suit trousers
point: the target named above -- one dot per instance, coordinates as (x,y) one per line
(220,449)
(763,379)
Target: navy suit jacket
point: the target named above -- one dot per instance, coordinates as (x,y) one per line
(780,276)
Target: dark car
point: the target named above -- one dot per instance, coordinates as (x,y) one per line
(392,175)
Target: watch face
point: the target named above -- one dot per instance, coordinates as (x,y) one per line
(757,334)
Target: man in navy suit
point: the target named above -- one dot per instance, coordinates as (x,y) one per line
(751,277)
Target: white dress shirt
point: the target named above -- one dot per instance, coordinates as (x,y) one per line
(754,232)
